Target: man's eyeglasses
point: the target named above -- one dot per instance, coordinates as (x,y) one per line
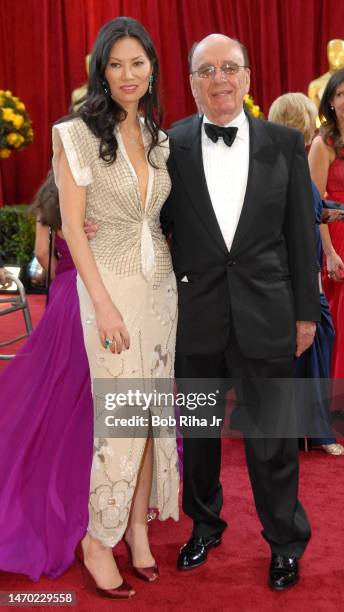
(208,72)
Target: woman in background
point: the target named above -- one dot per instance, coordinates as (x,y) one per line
(46,422)
(326,160)
(297,111)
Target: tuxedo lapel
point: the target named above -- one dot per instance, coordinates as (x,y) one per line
(262,156)
(187,149)
(189,162)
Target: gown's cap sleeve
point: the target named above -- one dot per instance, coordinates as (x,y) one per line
(71,136)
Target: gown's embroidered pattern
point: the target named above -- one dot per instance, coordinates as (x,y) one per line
(129,238)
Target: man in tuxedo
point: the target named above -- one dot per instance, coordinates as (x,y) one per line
(241,218)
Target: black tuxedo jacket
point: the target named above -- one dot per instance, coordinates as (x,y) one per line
(268,279)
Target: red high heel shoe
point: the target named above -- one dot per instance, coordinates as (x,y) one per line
(123,591)
(149,574)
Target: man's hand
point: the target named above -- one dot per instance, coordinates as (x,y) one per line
(90,229)
(305,332)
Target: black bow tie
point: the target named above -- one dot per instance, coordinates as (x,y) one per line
(214,132)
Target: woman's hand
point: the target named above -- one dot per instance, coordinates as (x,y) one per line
(111,327)
(332,215)
(335,266)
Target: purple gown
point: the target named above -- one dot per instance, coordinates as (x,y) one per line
(46,438)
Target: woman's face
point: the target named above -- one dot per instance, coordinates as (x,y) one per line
(128,71)
(338,102)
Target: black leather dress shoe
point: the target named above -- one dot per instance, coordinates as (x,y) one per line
(284,572)
(194,553)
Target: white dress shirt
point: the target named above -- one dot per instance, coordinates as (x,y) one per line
(226,171)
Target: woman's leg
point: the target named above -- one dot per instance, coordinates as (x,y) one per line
(101,564)
(137,530)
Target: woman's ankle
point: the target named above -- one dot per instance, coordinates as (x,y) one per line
(93,547)
(136,528)
(136,536)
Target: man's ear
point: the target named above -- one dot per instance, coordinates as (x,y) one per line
(248,79)
(192,85)
(193,88)
(195,96)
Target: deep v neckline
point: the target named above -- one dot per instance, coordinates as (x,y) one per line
(142,205)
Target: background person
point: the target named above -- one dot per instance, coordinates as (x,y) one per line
(297,111)
(326,160)
(46,416)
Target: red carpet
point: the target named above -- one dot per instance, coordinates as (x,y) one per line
(12,325)
(235,577)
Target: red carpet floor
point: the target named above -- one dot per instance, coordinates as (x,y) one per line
(12,325)
(234,579)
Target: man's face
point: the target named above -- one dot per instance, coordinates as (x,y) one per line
(221,95)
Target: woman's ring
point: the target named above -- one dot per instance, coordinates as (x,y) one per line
(108,342)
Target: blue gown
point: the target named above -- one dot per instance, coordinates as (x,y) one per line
(316,361)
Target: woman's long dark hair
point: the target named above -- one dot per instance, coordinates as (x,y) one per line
(329,125)
(45,205)
(99,111)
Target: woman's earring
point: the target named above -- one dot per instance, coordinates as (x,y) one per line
(106,91)
(151,81)
(331,107)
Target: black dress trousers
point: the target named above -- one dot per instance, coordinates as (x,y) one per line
(265,417)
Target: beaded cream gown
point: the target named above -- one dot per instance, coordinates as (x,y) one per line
(135,265)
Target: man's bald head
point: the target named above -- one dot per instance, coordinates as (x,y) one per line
(197,46)
(220,77)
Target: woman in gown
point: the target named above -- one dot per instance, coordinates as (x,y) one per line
(110,165)
(298,111)
(326,159)
(46,424)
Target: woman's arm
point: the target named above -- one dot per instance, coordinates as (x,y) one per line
(320,158)
(73,207)
(42,248)
(334,263)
